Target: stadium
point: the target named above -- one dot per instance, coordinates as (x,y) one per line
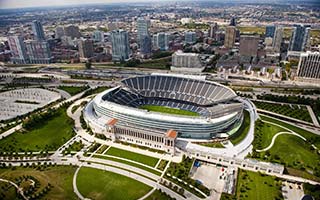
(194,108)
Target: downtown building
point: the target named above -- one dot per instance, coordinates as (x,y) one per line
(120,45)
(38,30)
(249,45)
(190,37)
(18,50)
(72,31)
(38,52)
(142,28)
(86,50)
(186,62)
(230,37)
(309,67)
(161,41)
(300,38)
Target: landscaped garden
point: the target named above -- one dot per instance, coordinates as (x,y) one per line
(291,110)
(50,182)
(147,160)
(42,132)
(98,184)
(253,186)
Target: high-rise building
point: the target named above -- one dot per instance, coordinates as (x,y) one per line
(72,31)
(142,27)
(190,37)
(230,37)
(309,66)
(249,45)
(277,39)
(98,36)
(270,31)
(213,29)
(38,30)
(161,41)
(145,44)
(85,49)
(18,50)
(233,21)
(300,38)
(38,52)
(59,32)
(120,45)
(186,62)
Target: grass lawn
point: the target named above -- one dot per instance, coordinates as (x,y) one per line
(49,136)
(7,191)
(253,185)
(147,160)
(60,177)
(128,163)
(164,109)
(242,132)
(311,137)
(98,184)
(102,149)
(72,90)
(157,195)
(76,146)
(293,151)
(294,111)
(264,133)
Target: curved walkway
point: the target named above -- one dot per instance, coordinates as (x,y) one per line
(275,137)
(19,190)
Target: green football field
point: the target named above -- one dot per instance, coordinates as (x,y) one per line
(168,110)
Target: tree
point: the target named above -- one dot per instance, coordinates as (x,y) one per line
(88,65)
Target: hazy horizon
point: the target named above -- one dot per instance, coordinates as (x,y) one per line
(11,4)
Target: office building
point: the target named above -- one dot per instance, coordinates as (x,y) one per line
(18,50)
(277,39)
(142,27)
(161,41)
(249,45)
(190,37)
(213,29)
(86,50)
(38,52)
(233,21)
(120,45)
(38,30)
(300,38)
(145,44)
(230,37)
(59,32)
(72,31)
(189,62)
(98,36)
(270,31)
(309,67)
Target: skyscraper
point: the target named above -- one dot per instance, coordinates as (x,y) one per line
(120,45)
(38,30)
(230,37)
(249,45)
(85,49)
(145,44)
(18,50)
(98,36)
(142,27)
(300,38)
(190,37)
(161,41)
(233,21)
(213,29)
(309,66)
(59,32)
(277,39)
(270,31)
(38,52)
(72,31)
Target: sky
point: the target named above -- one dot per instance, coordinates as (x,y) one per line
(42,3)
